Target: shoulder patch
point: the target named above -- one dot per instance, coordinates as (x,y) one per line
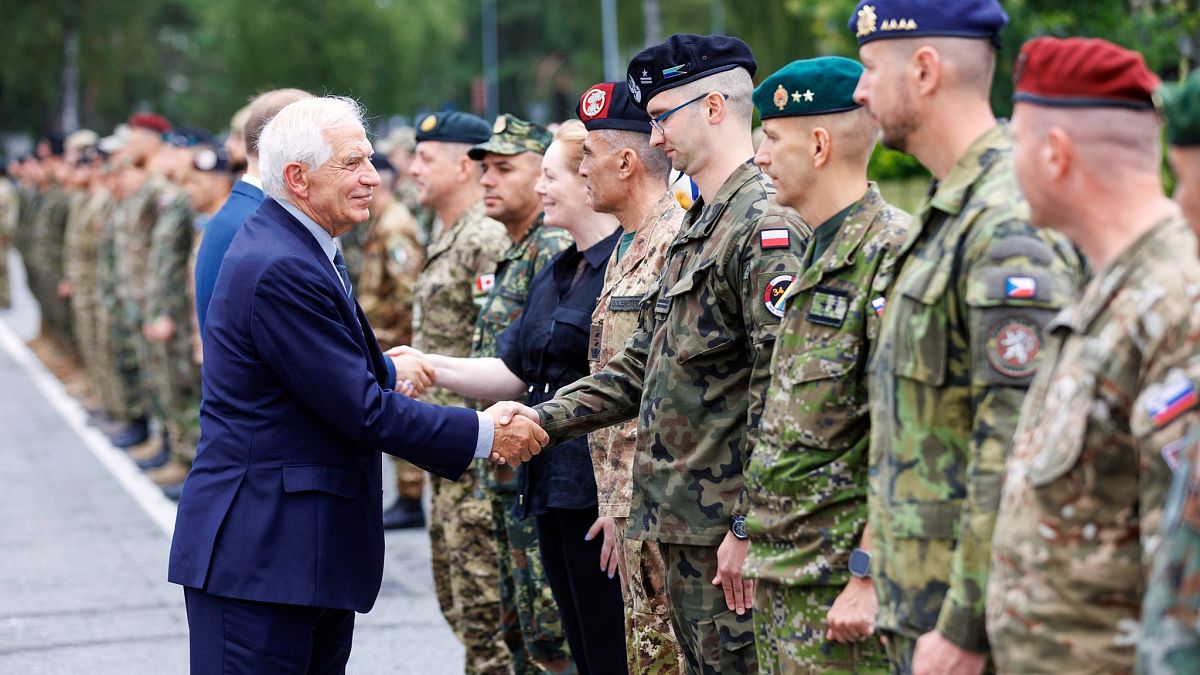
(775,292)
(1170,398)
(774,238)
(485,282)
(1013,346)
(1020,287)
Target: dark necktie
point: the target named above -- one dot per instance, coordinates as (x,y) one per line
(340,263)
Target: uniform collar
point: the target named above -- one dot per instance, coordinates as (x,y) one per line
(851,234)
(950,194)
(703,215)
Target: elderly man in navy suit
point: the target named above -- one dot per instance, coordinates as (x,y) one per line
(279,537)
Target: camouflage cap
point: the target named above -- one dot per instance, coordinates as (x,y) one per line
(512,135)
(1180,103)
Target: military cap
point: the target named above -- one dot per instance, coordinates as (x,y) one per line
(81,140)
(684,58)
(890,19)
(210,158)
(1082,73)
(609,105)
(817,86)
(453,127)
(512,135)
(149,120)
(190,137)
(1181,105)
(381,162)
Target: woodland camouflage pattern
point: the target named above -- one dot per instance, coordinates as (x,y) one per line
(1083,495)
(945,393)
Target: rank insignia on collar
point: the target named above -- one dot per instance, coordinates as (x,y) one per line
(781,98)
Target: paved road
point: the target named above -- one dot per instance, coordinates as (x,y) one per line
(84,542)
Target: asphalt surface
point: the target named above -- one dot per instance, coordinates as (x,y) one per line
(84,538)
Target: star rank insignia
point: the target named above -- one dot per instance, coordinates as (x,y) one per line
(808,96)
(781,98)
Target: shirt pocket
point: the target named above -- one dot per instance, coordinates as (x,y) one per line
(569,330)
(1057,472)
(698,331)
(923,342)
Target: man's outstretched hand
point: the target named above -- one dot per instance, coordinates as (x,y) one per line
(518,436)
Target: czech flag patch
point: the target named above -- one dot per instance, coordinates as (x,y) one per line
(1020,287)
(1170,399)
(775,238)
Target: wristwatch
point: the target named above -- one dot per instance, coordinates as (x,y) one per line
(737,525)
(860,563)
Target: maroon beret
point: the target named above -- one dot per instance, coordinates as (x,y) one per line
(149,120)
(1083,73)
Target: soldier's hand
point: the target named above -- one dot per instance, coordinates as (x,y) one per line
(610,561)
(852,616)
(935,655)
(517,441)
(739,592)
(506,411)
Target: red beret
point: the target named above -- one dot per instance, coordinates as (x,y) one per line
(151,121)
(1083,73)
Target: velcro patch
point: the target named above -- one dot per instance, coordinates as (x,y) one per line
(485,282)
(595,341)
(1171,398)
(775,292)
(625,303)
(1020,287)
(829,306)
(1013,346)
(878,304)
(774,239)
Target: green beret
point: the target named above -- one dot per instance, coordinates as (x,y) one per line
(512,135)
(817,86)
(1181,105)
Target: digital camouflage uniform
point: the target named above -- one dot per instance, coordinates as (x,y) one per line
(464,555)
(807,478)
(694,374)
(946,386)
(171,375)
(529,616)
(392,257)
(1084,487)
(81,269)
(9,206)
(649,639)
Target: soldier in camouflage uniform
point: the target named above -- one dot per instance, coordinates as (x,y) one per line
(1170,639)
(80,266)
(466,249)
(807,478)
(511,159)
(945,389)
(627,177)
(1115,396)
(695,371)
(44,266)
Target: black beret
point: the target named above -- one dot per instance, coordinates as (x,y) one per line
(453,127)
(381,162)
(684,58)
(608,105)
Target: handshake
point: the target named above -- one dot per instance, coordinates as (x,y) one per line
(518,433)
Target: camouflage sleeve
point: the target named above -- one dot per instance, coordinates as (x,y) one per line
(765,275)
(1015,280)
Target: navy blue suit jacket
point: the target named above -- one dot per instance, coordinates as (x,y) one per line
(283,503)
(218,233)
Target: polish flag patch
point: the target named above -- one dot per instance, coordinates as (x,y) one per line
(1020,287)
(775,238)
(485,282)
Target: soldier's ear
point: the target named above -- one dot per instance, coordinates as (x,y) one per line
(821,146)
(629,160)
(1058,152)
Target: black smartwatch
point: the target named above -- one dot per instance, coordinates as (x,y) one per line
(737,525)
(860,563)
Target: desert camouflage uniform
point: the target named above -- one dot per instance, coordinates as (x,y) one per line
(945,392)
(1084,487)
(694,374)
(171,374)
(529,616)
(464,555)
(649,640)
(9,206)
(81,269)
(807,478)
(392,257)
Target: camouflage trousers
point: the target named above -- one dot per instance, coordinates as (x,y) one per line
(650,642)
(714,640)
(103,356)
(789,633)
(900,650)
(410,481)
(529,616)
(131,356)
(464,571)
(174,380)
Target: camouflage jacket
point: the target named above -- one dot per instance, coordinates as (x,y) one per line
(170,246)
(392,258)
(83,240)
(626,282)
(696,370)
(807,478)
(1084,487)
(945,392)
(504,301)
(445,296)
(135,218)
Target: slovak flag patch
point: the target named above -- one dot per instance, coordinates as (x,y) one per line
(775,238)
(1175,395)
(878,304)
(1020,287)
(485,282)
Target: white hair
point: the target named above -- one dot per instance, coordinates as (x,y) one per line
(297,134)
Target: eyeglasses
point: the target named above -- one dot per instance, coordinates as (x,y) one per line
(657,122)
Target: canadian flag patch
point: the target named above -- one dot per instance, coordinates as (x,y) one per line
(774,238)
(485,282)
